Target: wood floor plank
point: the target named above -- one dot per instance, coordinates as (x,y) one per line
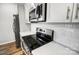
(10,49)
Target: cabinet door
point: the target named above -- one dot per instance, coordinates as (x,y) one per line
(59,12)
(75,16)
(27,6)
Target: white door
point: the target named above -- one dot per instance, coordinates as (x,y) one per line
(75,17)
(59,12)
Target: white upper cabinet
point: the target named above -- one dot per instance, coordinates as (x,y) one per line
(59,12)
(27,7)
(75,16)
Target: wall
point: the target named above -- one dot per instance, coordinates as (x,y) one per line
(24,26)
(66,34)
(6,21)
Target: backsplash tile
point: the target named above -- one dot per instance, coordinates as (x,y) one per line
(66,34)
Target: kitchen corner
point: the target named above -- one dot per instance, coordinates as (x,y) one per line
(65,40)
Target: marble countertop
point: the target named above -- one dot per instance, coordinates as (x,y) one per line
(27,33)
(53,48)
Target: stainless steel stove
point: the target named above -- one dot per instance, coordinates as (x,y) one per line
(42,37)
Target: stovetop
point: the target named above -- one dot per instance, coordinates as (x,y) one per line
(43,36)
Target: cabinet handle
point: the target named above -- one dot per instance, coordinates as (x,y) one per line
(68,11)
(77,9)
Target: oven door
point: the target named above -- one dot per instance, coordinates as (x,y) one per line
(25,49)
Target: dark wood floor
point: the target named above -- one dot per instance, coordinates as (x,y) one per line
(10,49)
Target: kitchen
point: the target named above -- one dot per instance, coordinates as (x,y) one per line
(62,18)
(57,24)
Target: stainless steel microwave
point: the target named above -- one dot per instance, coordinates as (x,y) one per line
(38,14)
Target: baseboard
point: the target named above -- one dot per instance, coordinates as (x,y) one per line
(7,42)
